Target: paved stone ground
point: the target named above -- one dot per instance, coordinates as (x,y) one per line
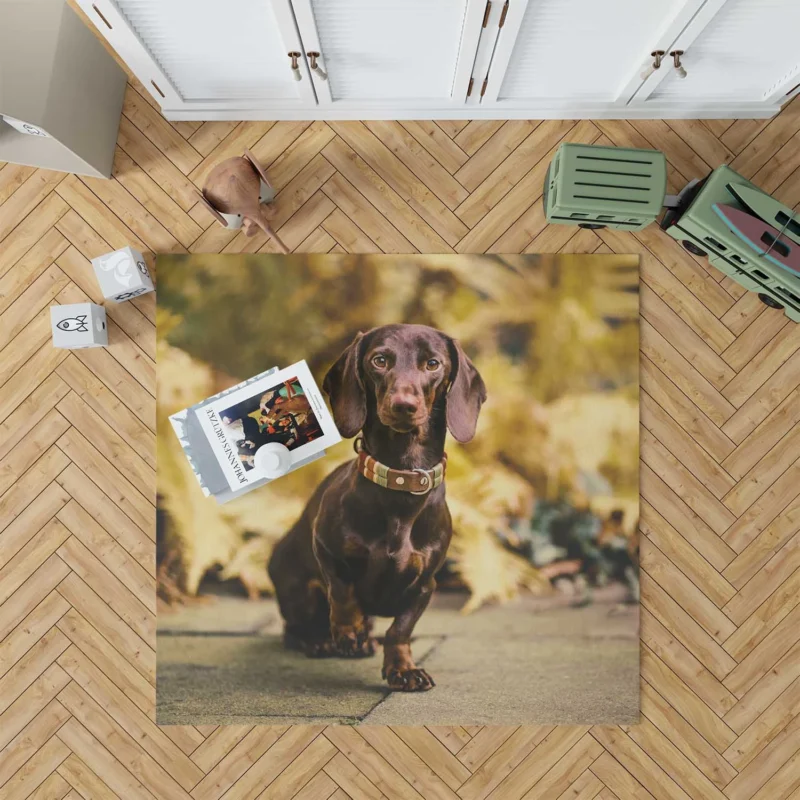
(534,661)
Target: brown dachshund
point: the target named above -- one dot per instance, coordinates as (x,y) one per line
(365,545)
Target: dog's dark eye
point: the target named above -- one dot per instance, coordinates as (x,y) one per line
(432,364)
(379,361)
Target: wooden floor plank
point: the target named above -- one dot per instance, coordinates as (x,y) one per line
(83,781)
(112,519)
(105,584)
(780,603)
(36,770)
(209,135)
(766,399)
(767,508)
(35,552)
(693,690)
(353,782)
(153,162)
(437,143)
(414,218)
(681,733)
(29,505)
(497,186)
(120,744)
(502,762)
(101,763)
(773,688)
(677,475)
(12,176)
(292,159)
(370,221)
(154,199)
(82,598)
(159,131)
(30,267)
(426,168)
(133,721)
(105,475)
(32,192)
(539,763)
(94,537)
(236,763)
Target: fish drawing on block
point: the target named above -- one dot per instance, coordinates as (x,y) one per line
(763,238)
(77,324)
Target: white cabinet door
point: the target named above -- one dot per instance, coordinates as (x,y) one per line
(206,53)
(575,54)
(736,51)
(389,54)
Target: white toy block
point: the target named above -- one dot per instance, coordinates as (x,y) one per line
(78,325)
(122,274)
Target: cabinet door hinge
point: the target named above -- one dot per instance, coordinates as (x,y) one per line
(469,87)
(503,15)
(486,13)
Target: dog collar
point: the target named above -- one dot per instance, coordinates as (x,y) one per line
(414,481)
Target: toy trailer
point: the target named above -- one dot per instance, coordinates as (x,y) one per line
(597,187)
(703,232)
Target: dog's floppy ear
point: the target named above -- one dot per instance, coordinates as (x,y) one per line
(345,388)
(466,396)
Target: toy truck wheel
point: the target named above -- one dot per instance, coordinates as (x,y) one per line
(769,301)
(693,248)
(592,226)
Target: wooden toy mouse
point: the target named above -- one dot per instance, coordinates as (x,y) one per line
(233,194)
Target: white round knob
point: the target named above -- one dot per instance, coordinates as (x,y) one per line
(273,460)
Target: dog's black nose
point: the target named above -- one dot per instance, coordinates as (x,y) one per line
(405,404)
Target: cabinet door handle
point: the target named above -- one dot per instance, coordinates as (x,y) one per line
(657,56)
(296,74)
(676,60)
(315,68)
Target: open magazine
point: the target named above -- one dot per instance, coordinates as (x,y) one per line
(222,434)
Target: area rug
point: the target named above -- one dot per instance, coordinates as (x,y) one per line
(426,515)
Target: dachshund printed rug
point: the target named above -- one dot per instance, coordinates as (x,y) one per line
(455,543)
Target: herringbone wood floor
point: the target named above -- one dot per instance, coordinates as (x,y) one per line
(720,414)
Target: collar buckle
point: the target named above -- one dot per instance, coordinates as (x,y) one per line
(426,480)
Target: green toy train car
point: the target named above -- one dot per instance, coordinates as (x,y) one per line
(598,187)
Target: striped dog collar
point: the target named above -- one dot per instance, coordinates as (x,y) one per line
(414,481)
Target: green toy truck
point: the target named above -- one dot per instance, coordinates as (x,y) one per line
(702,232)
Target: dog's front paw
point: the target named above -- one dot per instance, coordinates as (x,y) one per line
(354,642)
(408,679)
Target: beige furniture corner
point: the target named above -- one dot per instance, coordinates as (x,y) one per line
(55,75)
